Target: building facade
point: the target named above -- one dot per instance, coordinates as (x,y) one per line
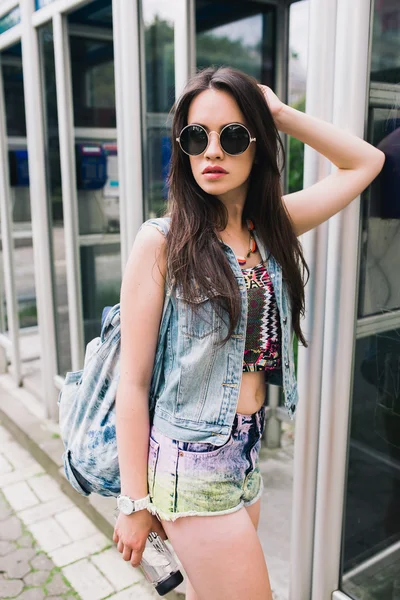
(86,87)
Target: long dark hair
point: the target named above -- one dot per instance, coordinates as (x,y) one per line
(195,258)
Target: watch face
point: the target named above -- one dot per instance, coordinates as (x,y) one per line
(125,505)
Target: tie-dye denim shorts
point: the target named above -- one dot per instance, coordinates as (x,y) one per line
(196,478)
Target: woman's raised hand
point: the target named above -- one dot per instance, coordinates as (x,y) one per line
(275,105)
(130,534)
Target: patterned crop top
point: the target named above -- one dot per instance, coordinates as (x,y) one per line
(263,335)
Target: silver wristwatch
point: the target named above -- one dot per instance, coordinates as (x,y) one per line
(128,506)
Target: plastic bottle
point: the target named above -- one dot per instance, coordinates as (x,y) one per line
(160,566)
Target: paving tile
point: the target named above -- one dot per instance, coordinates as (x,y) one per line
(19,496)
(78,550)
(18,570)
(11,588)
(45,487)
(7,547)
(48,509)
(119,572)
(36,578)
(87,580)
(5,511)
(5,466)
(16,565)
(57,585)
(16,455)
(140,591)
(20,474)
(25,541)
(4,435)
(10,529)
(49,534)
(22,554)
(75,523)
(32,594)
(42,563)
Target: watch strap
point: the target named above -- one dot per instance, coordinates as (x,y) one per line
(142,503)
(139,504)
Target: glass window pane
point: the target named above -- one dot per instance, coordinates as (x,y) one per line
(53,171)
(371,555)
(380,251)
(14,91)
(158,27)
(241,36)
(380,284)
(371,549)
(92,65)
(19,192)
(298,57)
(96,160)
(41,3)
(10,19)
(101,283)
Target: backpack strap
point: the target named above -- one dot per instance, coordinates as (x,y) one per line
(111,314)
(162,224)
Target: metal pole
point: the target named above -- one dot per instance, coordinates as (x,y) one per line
(8,250)
(69,194)
(320,85)
(41,226)
(350,92)
(129,123)
(183,45)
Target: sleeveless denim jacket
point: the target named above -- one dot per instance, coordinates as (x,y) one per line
(196,391)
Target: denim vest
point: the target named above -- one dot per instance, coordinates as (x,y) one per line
(196,391)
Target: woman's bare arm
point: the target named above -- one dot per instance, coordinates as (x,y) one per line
(142,297)
(357,162)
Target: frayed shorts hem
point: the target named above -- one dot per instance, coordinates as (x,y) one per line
(170,516)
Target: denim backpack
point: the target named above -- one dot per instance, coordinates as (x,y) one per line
(87,407)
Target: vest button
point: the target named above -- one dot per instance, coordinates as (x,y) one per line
(287,364)
(285,320)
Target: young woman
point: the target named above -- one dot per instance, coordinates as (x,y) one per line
(233,273)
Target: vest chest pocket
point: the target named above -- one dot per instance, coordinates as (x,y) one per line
(198,321)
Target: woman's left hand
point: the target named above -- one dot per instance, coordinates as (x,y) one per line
(274,104)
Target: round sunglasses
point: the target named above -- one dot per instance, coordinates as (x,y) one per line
(234,138)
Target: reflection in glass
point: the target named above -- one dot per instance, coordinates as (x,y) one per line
(371,540)
(53,170)
(385,59)
(97,186)
(19,195)
(238,34)
(10,19)
(92,65)
(298,57)
(158,25)
(96,160)
(371,559)
(380,283)
(101,283)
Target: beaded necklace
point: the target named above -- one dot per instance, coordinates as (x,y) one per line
(253,246)
(242,260)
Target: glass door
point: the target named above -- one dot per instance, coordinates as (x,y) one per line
(96,155)
(371,536)
(18,199)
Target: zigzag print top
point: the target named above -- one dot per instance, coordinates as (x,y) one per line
(263,334)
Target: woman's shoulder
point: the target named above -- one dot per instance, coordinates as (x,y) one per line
(160,223)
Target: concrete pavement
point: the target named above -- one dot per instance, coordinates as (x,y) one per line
(33,465)
(48,546)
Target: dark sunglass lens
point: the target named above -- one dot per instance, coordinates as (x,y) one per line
(235,139)
(194,140)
